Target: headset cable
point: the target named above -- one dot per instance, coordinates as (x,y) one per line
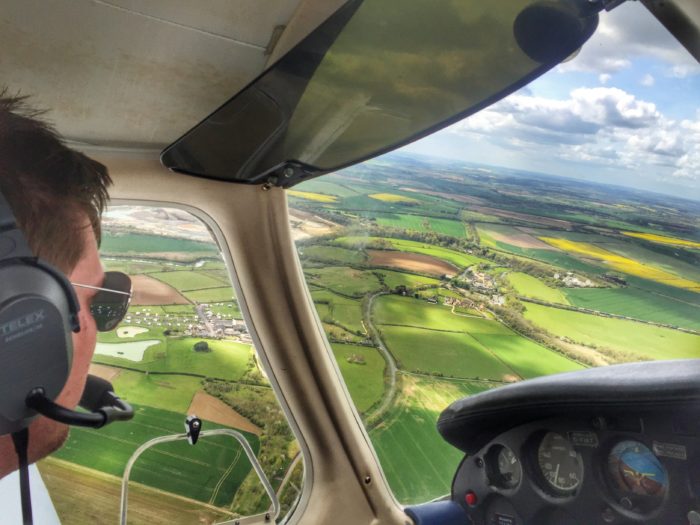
(21,441)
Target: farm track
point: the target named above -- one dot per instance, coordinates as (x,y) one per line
(225,475)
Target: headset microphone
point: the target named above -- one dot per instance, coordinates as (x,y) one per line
(38,312)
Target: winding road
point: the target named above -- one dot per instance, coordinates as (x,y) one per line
(391,368)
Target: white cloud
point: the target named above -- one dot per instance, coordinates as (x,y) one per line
(602,125)
(624,33)
(680,71)
(647,80)
(604,78)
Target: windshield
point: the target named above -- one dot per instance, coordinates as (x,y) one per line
(554,231)
(377,74)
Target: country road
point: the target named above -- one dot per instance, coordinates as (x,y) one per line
(205,320)
(388,358)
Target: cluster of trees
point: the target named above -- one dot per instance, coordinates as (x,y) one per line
(258,404)
(201,346)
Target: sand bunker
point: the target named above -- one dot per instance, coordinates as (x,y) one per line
(126,332)
(149,291)
(213,409)
(131,351)
(414,262)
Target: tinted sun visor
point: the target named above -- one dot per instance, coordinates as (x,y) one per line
(374,76)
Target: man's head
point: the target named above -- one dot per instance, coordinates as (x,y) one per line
(57,195)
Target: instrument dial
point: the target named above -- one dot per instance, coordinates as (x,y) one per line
(637,476)
(560,464)
(505,469)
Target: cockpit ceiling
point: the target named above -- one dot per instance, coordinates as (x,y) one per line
(136,74)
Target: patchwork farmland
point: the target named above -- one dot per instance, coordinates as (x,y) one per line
(425,296)
(494,288)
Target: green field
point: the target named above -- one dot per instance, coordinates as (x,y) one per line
(188,280)
(179,309)
(365,382)
(639,304)
(164,391)
(137,267)
(342,310)
(405,311)
(337,333)
(392,279)
(418,464)
(344,280)
(333,255)
(210,472)
(440,294)
(429,338)
(228,310)
(329,188)
(529,286)
(111,337)
(424,205)
(145,243)
(639,339)
(211,295)
(459,259)
(451,354)
(447,227)
(227,359)
(526,357)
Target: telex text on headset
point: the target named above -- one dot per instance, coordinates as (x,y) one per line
(54,295)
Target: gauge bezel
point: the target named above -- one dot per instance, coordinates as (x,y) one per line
(543,483)
(493,474)
(614,494)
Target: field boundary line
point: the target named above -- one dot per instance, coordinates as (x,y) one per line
(431,329)
(598,313)
(453,379)
(184,374)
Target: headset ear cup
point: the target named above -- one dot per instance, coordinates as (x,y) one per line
(36,346)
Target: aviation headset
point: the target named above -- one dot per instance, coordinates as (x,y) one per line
(38,313)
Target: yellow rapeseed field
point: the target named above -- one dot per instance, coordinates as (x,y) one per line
(622,264)
(319,197)
(662,239)
(390,197)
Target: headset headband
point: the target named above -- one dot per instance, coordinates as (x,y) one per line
(13,244)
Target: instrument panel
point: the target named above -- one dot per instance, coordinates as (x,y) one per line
(584,471)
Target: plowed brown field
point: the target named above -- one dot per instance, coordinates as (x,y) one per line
(414,262)
(213,409)
(149,291)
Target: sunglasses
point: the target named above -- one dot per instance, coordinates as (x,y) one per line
(110,303)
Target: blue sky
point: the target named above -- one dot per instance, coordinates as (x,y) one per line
(625,110)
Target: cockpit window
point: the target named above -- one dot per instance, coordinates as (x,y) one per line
(555,231)
(182,350)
